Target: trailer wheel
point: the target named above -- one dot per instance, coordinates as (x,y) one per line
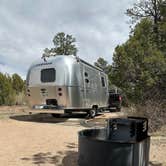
(118,109)
(92,113)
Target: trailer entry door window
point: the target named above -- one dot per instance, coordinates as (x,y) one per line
(48,75)
(86,74)
(102,81)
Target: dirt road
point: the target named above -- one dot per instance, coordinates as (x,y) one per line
(40,140)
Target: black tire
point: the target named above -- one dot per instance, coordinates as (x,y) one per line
(56,115)
(118,109)
(110,110)
(92,113)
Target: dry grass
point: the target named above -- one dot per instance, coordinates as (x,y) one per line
(154,111)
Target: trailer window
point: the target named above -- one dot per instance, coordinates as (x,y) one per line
(102,81)
(86,80)
(48,75)
(86,74)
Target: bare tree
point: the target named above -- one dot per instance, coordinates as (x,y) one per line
(146,9)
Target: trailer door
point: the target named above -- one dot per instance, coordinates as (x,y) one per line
(88,86)
(104,90)
(82,86)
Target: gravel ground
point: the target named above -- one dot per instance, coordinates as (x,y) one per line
(40,140)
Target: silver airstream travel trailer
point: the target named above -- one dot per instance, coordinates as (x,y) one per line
(66,83)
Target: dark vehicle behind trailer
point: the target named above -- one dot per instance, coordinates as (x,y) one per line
(114,101)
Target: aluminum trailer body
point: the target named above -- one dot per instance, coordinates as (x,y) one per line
(68,83)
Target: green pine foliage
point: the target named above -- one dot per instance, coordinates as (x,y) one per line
(17,83)
(103,64)
(10,88)
(64,44)
(6,91)
(139,65)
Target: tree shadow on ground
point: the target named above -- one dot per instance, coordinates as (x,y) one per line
(62,158)
(155,164)
(71,159)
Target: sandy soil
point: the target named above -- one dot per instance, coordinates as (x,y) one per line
(40,140)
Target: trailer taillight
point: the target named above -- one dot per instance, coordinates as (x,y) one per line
(60,94)
(28,92)
(59,89)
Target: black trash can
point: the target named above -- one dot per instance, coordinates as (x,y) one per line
(107,147)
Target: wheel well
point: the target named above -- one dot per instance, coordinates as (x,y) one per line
(95,106)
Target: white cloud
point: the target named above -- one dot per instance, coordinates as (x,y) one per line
(27,27)
(9,70)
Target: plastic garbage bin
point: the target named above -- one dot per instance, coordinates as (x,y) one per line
(106,147)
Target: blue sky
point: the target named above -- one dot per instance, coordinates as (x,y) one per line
(28,26)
